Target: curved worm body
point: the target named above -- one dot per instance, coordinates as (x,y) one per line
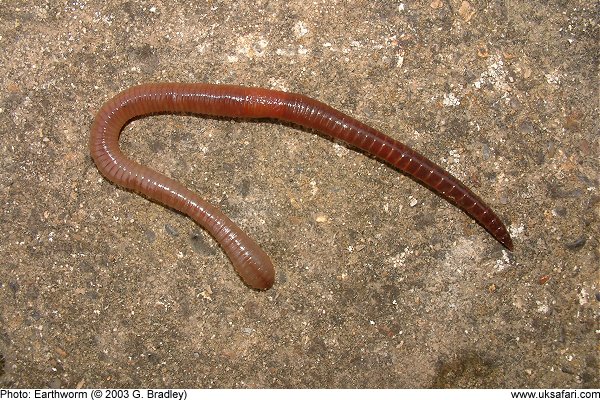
(249,260)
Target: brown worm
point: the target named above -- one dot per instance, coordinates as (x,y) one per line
(249,260)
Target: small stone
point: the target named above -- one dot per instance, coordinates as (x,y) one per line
(60,352)
(466,11)
(436,4)
(171,231)
(55,383)
(577,243)
(321,218)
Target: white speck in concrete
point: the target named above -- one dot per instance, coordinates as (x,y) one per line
(300,29)
(450,100)
(583,296)
(503,263)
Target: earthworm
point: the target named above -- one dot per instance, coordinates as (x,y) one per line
(250,261)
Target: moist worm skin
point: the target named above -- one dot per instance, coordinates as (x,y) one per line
(250,261)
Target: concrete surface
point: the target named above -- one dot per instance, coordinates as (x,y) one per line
(379,282)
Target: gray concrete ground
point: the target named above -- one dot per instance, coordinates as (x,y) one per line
(380,283)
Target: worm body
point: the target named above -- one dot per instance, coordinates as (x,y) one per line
(250,261)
